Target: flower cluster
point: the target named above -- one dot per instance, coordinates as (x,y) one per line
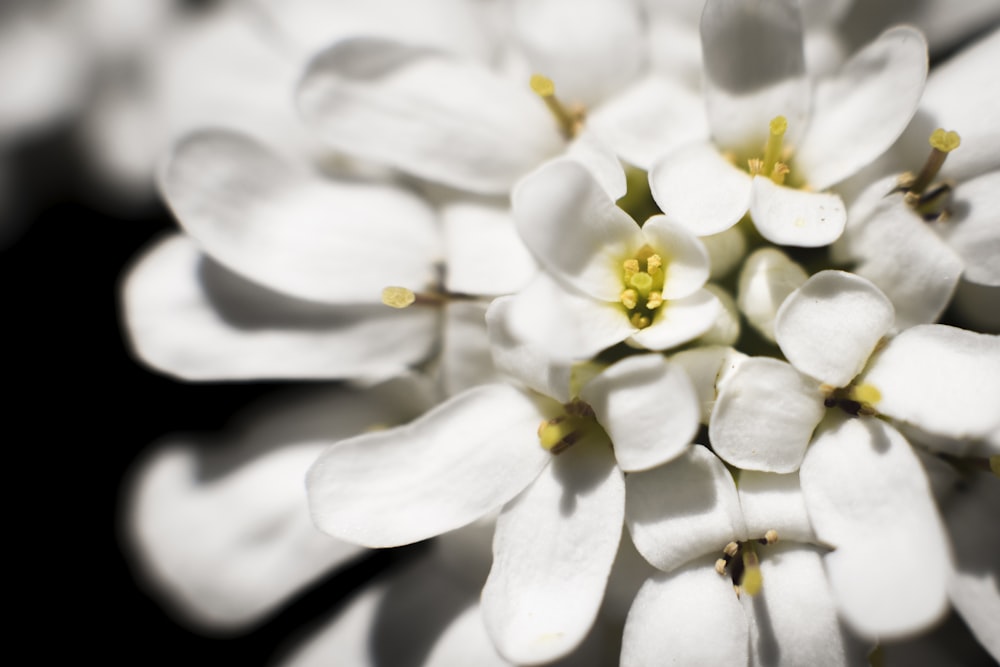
(675,341)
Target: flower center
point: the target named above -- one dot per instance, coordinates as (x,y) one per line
(773,164)
(576,422)
(740,561)
(855,400)
(643,278)
(570,118)
(931,200)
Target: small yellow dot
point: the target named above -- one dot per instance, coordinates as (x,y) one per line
(945,141)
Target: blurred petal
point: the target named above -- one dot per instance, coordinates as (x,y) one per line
(648,407)
(427,113)
(868,497)
(683,510)
(774,502)
(829,327)
(688,617)
(191,318)
(466,360)
(787,216)
(552,556)
(860,112)
(765,415)
(601,161)
(972,229)
(767,278)
(451,466)
(275,223)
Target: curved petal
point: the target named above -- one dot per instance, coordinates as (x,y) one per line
(708,367)
(588,57)
(191,318)
(971,230)
(829,327)
(765,415)
(860,112)
(743,93)
(680,320)
(683,510)
(774,502)
(466,360)
(685,261)
(767,278)
(276,224)
(598,157)
(696,186)
(648,407)
(787,216)
(464,642)
(868,497)
(552,555)
(943,380)
(459,461)
(574,229)
(688,617)
(427,113)
(793,621)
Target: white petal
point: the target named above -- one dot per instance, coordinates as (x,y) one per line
(649,119)
(574,229)
(793,621)
(680,320)
(466,360)
(601,161)
(687,617)
(552,556)
(696,186)
(860,112)
(829,327)
(707,366)
(868,497)
(685,262)
(905,259)
(767,278)
(649,408)
(484,252)
(275,223)
(787,216)
(589,48)
(774,502)
(562,325)
(427,113)
(191,318)
(726,250)
(972,230)
(765,415)
(459,461)
(683,510)
(745,92)
(943,380)
(464,642)
(726,329)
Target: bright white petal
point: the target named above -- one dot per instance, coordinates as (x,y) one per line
(743,91)
(858,114)
(427,113)
(680,320)
(683,510)
(868,497)
(767,278)
(793,621)
(774,502)
(726,251)
(191,318)
(765,415)
(465,642)
(649,408)
(687,617)
(574,229)
(601,161)
(943,380)
(459,461)
(972,229)
(589,48)
(726,329)
(686,260)
(830,326)
(787,216)
(696,186)
(552,556)
(484,253)
(707,366)
(275,223)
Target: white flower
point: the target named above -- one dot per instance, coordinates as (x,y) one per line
(794,142)
(604,278)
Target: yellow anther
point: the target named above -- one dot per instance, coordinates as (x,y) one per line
(731,549)
(555,434)
(943,141)
(775,141)
(755,166)
(570,119)
(779,172)
(398,297)
(630,298)
(542,85)
(642,281)
(639,321)
(866,394)
(653,263)
(720,566)
(655,300)
(752,580)
(771,536)
(631,267)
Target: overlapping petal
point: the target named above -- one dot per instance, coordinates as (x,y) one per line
(788,216)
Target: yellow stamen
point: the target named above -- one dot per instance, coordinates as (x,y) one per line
(775,139)
(569,120)
(555,434)
(639,321)
(720,566)
(753,580)
(655,300)
(866,394)
(771,536)
(779,172)
(629,298)
(731,549)
(653,264)
(631,267)
(941,143)
(398,297)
